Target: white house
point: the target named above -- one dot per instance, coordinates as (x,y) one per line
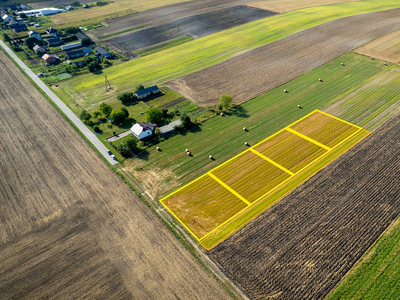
(35,34)
(7,18)
(143,130)
(52,32)
(43,11)
(141,94)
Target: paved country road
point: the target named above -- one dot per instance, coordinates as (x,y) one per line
(82,127)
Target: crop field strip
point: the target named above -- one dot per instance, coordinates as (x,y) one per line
(69,225)
(204,52)
(255,72)
(304,244)
(200,206)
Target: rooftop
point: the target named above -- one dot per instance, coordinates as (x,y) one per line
(146,91)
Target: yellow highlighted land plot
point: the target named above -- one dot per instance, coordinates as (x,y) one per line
(207,205)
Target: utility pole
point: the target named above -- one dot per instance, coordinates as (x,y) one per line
(108,84)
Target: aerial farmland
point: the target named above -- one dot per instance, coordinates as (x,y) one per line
(200,150)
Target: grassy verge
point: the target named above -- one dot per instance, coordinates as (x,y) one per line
(198,54)
(376,275)
(228,229)
(122,31)
(162,46)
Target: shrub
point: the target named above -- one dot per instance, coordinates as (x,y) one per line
(130,146)
(105,109)
(86,41)
(139,87)
(154,115)
(96,128)
(186,122)
(118,116)
(84,115)
(126,97)
(225,100)
(93,66)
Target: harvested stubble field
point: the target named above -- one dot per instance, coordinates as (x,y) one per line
(69,225)
(255,72)
(164,14)
(207,51)
(283,6)
(194,26)
(304,244)
(385,48)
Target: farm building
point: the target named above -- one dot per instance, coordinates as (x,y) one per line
(50,59)
(39,49)
(75,54)
(71,46)
(7,18)
(102,52)
(54,41)
(35,34)
(11,6)
(19,27)
(167,129)
(80,36)
(13,22)
(69,8)
(80,63)
(42,12)
(52,32)
(147,92)
(143,130)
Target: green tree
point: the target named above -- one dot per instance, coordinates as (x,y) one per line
(10,12)
(23,15)
(31,42)
(93,66)
(225,100)
(126,97)
(154,115)
(86,41)
(139,87)
(185,119)
(130,146)
(84,115)
(75,3)
(96,113)
(125,111)
(105,109)
(117,116)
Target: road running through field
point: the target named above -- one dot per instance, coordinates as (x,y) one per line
(78,123)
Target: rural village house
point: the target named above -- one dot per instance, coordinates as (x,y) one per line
(143,130)
(54,41)
(78,53)
(35,34)
(50,59)
(52,32)
(7,18)
(19,27)
(102,52)
(147,92)
(39,49)
(80,36)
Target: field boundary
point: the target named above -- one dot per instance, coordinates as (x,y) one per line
(274,189)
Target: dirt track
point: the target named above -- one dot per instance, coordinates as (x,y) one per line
(304,244)
(68,225)
(262,69)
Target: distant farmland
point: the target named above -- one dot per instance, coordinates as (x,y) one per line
(304,244)
(254,73)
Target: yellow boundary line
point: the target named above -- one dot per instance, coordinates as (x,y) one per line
(229,188)
(251,149)
(348,123)
(286,181)
(308,138)
(272,162)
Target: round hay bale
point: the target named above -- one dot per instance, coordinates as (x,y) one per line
(342,64)
(158,148)
(372,58)
(285,91)
(320,80)
(222,114)
(298,106)
(244,128)
(210,157)
(188,153)
(246,143)
(187,150)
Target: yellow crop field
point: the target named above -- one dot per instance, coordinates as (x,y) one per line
(244,186)
(324,129)
(247,174)
(203,205)
(290,150)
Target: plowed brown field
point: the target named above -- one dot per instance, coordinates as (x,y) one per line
(262,69)
(69,227)
(304,244)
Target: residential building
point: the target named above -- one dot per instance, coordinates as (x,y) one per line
(80,36)
(7,18)
(39,49)
(54,41)
(102,52)
(69,7)
(19,27)
(141,94)
(143,130)
(75,54)
(35,34)
(52,32)
(80,63)
(50,59)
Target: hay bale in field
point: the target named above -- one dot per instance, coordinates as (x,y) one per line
(187,150)
(158,149)
(244,129)
(342,64)
(285,91)
(320,80)
(222,114)
(246,143)
(210,157)
(188,153)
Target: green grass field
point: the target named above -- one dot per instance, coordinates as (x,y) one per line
(224,138)
(376,275)
(172,63)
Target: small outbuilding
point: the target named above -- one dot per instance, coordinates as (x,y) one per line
(141,94)
(100,51)
(39,49)
(143,130)
(170,128)
(50,59)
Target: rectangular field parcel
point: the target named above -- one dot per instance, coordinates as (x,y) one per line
(240,184)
